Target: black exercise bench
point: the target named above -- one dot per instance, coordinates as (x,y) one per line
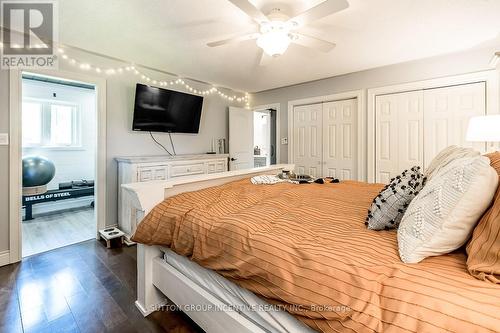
(55,195)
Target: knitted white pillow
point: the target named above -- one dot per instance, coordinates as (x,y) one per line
(442,216)
(447,155)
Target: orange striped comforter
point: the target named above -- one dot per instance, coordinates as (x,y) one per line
(306,248)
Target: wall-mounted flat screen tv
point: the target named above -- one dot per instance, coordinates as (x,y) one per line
(163,110)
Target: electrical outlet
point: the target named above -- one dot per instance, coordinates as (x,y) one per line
(284,141)
(4,139)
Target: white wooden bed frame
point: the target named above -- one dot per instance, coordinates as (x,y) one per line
(157,280)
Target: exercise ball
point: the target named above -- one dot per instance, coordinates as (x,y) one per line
(37,171)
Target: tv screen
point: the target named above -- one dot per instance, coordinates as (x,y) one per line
(162,110)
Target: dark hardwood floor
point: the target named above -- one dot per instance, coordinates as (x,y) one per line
(79,288)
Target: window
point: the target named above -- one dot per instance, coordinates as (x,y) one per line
(50,124)
(32,120)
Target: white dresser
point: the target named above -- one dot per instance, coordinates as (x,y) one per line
(136,169)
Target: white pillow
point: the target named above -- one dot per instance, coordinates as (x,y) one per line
(445,156)
(442,216)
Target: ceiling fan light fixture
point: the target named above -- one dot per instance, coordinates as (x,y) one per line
(274,43)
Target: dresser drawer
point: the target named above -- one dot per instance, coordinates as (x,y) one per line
(160,173)
(187,169)
(220,166)
(211,167)
(148,173)
(217,166)
(145,174)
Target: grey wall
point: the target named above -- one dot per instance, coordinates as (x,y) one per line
(453,64)
(120,138)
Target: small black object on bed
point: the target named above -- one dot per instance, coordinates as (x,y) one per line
(322,180)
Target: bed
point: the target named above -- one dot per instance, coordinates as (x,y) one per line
(304,251)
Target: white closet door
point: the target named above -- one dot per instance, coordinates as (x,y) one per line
(399,133)
(307,133)
(340,139)
(447,113)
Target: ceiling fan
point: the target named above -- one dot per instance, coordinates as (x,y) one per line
(277,30)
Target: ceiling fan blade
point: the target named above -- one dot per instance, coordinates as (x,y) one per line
(235,39)
(264,58)
(313,43)
(248,8)
(327,7)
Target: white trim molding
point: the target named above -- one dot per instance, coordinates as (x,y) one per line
(4,258)
(359,95)
(495,60)
(15,167)
(276,106)
(15,152)
(490,77)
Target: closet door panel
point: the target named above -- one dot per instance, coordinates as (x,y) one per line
(340,139)
(399,133)
(410,130)
(447,113)
(308,139)
(386,133)
(331,129)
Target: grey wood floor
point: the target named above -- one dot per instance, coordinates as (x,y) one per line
(51,231)
(81,288)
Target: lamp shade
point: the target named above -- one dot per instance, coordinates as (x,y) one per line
(484,129)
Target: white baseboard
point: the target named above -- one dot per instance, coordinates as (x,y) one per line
(4,258)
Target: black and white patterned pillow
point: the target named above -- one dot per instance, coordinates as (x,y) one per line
(390,204)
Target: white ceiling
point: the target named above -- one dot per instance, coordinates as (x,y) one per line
(172,34)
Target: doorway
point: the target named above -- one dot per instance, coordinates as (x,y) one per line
(422,123)
(253,137)
(327,136)
(57,154)
(264,137)
(326,139)
(58,158)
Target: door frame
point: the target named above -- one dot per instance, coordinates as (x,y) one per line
(490,77)
(15,152)
(359,95)
(278,139)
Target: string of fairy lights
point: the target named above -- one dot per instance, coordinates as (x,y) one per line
(239,97)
